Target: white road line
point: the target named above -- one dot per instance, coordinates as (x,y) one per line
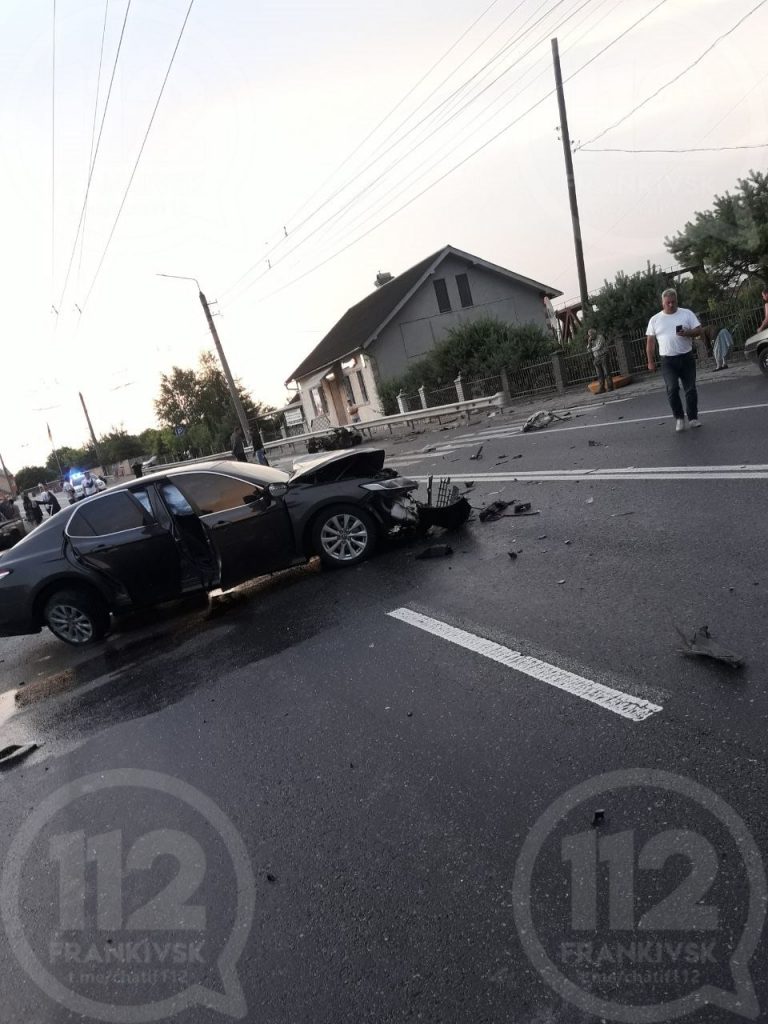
(634,708)
(651,473)
(513,430)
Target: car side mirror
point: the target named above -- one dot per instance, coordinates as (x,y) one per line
(278,490)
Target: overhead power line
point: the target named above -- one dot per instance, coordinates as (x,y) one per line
(53,150)
(141,151)
(358,195)
(372,159)
(95,156)
(401,186)
(93,131)
(676,78)
(471,155)
(690,149)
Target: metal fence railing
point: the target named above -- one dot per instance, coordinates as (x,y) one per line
(482,387)
(532,379)
(578,369)
(411,402)
(443,396)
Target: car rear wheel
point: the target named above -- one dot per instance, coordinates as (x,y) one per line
(343,536)
(76,617)
(762,360)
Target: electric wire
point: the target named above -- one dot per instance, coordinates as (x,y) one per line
(676,78)
(689,149)
(53,150)
(95,154)
(141,151)
(93,133)
(392,111)
(471,155)
(450,144)
(373,182)
(401,186)
(372,159)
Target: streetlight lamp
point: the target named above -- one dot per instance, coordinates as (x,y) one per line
(238,405)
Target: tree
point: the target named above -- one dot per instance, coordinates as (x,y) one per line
(118,445)
(730,241)
(199,401)
(31,476)
(623,307)
(69,458)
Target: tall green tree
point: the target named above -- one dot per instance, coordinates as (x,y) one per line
(199,402)
(623,307)
(31,476)
(730,241)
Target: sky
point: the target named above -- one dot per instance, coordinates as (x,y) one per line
(298,148)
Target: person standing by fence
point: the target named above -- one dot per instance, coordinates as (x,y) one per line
(598,346)
(673,328)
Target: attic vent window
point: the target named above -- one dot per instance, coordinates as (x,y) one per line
(465,295)
(441,291)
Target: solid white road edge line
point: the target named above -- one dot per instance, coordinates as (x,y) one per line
(634,708)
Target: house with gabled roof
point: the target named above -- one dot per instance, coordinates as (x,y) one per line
(401,321)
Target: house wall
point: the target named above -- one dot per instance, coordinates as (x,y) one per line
(369,409)
(419,326)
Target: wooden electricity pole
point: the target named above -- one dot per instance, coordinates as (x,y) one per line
(566,139)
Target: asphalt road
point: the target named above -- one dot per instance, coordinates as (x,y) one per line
(390,775)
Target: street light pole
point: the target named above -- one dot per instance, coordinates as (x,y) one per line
(237,404)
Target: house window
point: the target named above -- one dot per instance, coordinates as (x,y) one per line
(318,401)
(348,392)
(441,291)
(362,387)
(465,295)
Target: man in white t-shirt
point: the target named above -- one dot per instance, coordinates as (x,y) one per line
(673,328)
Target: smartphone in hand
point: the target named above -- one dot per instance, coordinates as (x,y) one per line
(679,329)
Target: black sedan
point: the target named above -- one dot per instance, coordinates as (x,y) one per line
(200,527)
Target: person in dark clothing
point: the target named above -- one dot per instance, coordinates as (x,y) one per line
(32,510)
(238,445)
(49,500)
(138,469)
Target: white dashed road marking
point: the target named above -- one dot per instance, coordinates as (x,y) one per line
(634,708)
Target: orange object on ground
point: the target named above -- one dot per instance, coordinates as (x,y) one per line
(618,382)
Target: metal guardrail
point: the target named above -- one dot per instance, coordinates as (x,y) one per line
(367,427)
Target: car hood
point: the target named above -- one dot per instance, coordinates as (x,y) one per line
(362,461)
(761,336)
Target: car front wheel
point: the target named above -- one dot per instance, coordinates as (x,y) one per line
(343,536)
(762,360)
(76,617)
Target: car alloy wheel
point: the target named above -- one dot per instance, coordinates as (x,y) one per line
(70,623)
(77,617)
(344,537)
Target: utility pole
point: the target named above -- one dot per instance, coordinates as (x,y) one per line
(90,428)
(566,139)
(237,404)
(225,367)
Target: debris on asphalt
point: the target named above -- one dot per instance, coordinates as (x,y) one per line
(478,454)
(543,536)
(560,582)
(598,818)
(534,512)
(522,506)
(616,515)
(518,456)
(540,420)
(512,555)
(271,877)
(429,448)
(435,551)
(494,511)
(568,542)
(597,444)
(590,501)
(703,645)
(469,484)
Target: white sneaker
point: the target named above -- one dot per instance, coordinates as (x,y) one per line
(694,423)
(679,426)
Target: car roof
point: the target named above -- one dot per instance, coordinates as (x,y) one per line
(228,466)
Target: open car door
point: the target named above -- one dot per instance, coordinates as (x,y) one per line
(249,530)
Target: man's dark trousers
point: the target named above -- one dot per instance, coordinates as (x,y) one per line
(678,370)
